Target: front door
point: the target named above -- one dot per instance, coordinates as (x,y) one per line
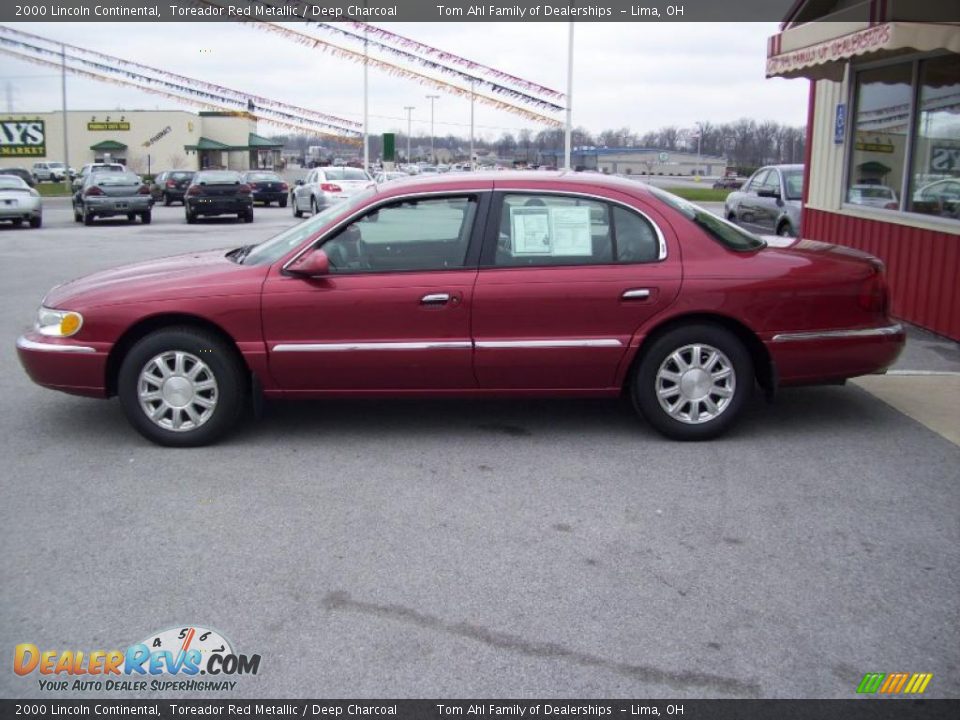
(394,312)
(565,283)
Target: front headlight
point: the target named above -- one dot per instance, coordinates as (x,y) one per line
(58,323)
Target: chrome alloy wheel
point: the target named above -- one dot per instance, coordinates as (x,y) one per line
(695,384)
(177,391)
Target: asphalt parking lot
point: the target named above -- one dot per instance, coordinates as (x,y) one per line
(465,548)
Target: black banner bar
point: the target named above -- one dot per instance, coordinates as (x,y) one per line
(375,11)
(858,709)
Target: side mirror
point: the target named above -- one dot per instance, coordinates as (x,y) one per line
(311,265)
(299,182)
(769,194)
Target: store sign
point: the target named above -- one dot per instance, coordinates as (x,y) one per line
(159,136)
(841,48)
(944,159)
(840,125)
(112,126)
(874,147)
(23,138)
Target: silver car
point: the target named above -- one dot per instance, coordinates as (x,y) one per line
(52,171)
(107,194)
(879,196)
(769,202)
(327,186)
(19,202)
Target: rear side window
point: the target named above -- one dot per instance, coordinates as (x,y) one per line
(724,232)
(567,230)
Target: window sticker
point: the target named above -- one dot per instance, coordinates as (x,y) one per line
(550,231)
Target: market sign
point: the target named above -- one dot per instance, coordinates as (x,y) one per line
(23,138)
(874,147)
(108,126)
(944,159)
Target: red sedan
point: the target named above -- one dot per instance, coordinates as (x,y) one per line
(502,284)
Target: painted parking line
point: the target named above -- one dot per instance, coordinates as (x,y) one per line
(932,399)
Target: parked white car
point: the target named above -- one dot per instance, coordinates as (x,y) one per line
(20,202)
(879,196)
(328,186)
(50,171)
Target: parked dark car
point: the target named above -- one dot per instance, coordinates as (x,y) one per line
(21,173)
(769,202)
(111,193)
(170,185)
(267,187)
(218,192)
(515,284)
(728,183)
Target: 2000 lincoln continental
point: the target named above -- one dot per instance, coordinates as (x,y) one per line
(545,284)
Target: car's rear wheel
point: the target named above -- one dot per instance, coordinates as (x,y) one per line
(131,217)
(77,215)
(36,222)
(247,216)
(146,216)
(785,230)
(693,382)
(17,222)
(282,202)
(191,217)
(181,387)
(313,205)
(88,217)
(297,212)
(166,199)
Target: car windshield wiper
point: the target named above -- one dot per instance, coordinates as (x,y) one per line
(240,253)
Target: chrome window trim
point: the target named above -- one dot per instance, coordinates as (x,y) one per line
(661,240)
(353,346)
(26,344)
(894,329)
(559,343)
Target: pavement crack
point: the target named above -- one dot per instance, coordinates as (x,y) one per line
(342,601)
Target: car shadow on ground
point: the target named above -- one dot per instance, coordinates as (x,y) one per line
(802,413)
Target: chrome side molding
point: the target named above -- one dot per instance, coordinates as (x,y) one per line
(895,329)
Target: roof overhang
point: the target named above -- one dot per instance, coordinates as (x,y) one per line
(821,50)
(108,145)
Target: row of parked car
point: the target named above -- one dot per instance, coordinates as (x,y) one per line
(110,190)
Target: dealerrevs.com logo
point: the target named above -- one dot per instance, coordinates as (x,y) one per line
(171,660)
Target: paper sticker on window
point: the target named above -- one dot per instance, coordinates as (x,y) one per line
(550,231)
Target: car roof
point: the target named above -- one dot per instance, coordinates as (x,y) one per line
(507,179)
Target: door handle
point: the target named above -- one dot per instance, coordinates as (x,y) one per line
(636,294)
(435,299)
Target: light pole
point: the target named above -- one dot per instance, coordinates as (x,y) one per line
(67,181)
(366,94)
(472,98)
(433,152)
(409,109)
(567,144)
(699,137)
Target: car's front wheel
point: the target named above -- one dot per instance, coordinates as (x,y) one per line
(181,387)
(693,381)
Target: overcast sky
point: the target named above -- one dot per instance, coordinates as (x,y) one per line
(637,75)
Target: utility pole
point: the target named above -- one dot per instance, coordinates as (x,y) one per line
(567,142)
(366,116)
(63,102)
(472,98)
(409,109)
(433,152)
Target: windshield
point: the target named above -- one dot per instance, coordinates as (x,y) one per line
(793,182)
(279,245)
(728,234)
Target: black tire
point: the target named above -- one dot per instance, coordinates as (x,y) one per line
(17,222)
(732,216)
(313,206)
(131,217)
(36,222)
(247,216)
(166,199)
(146,216)
(297,212)
(644,390)
(784,230)
(191,217)
(77,216)
(88,217)
(223,363)
(282,202)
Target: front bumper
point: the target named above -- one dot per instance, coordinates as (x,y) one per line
(825,356)
(63,364)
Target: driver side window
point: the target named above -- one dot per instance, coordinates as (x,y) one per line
(409,235)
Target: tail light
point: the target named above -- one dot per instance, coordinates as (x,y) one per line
(144,190)
(92,190)
(891,206)
(171,183)
(244,189)
(874,294)
(283,186)
(330,187)
(195,190)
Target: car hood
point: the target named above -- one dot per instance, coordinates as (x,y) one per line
(201,274)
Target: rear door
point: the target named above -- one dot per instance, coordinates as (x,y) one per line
(565,282)
(394,312)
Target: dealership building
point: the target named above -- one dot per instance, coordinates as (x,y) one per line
(883,141)
(146,141)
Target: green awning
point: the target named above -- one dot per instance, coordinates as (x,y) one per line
(258,141)
(207,144)
(108,146)
(872,166)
